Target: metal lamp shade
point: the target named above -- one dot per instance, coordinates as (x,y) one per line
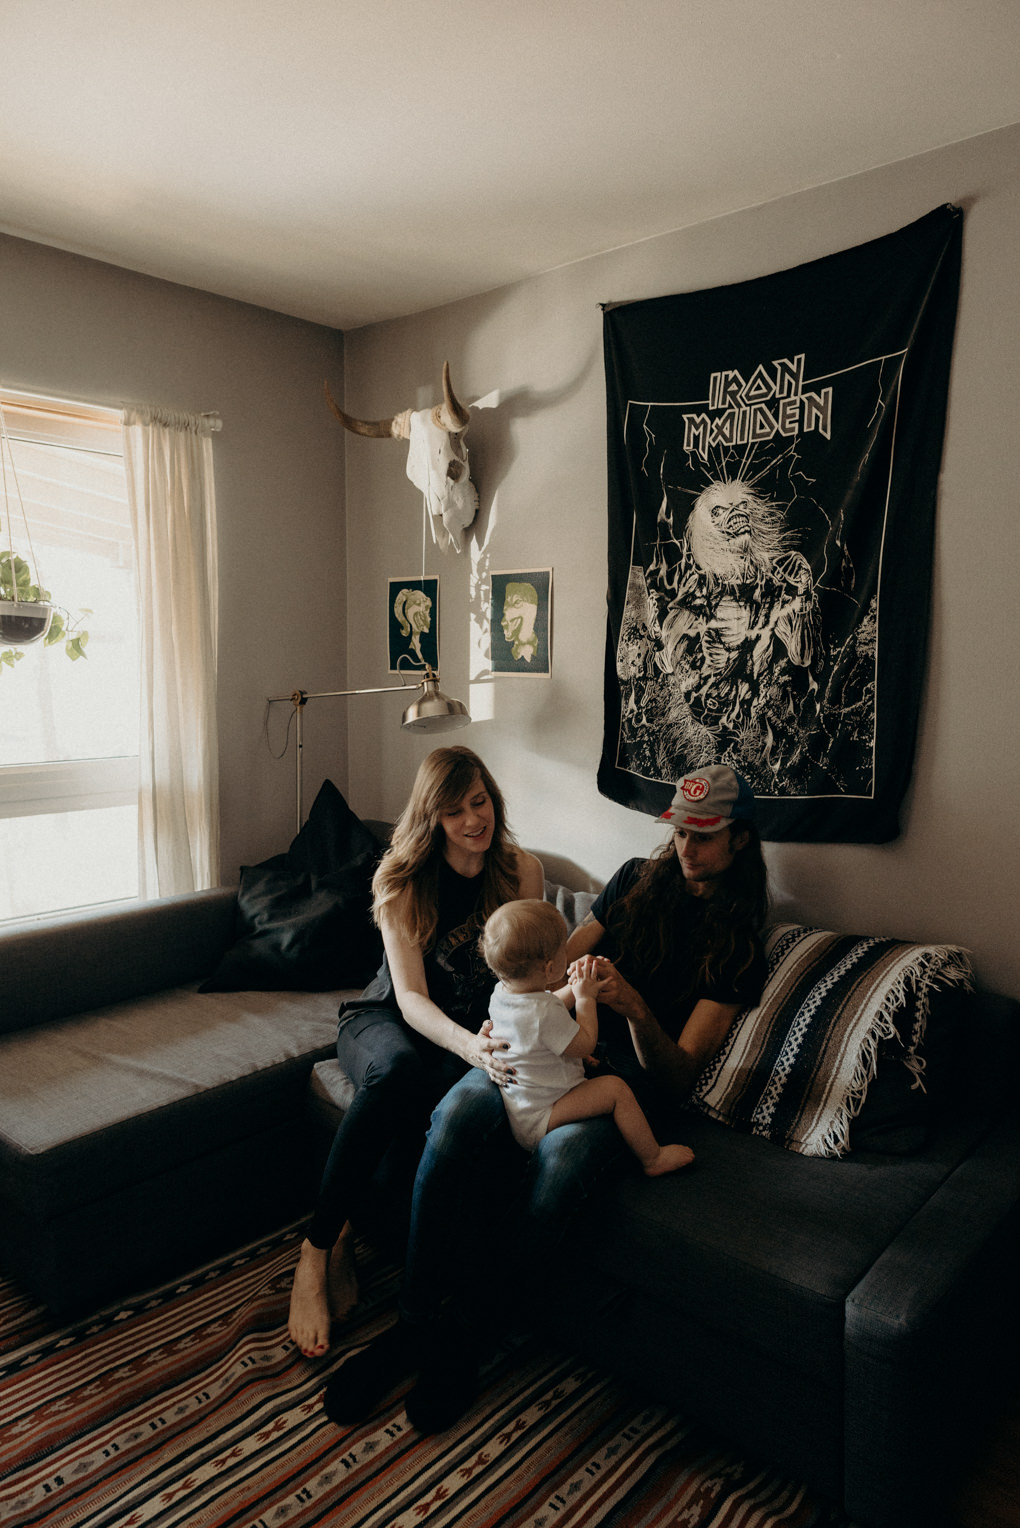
(432,711)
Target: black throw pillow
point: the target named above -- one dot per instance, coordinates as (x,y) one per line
(304,918)
(897,1118)
(332,838)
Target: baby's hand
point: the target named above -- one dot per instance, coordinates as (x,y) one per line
(586,984)
(596,966)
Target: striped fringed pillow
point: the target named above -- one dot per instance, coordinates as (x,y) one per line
(796,1069)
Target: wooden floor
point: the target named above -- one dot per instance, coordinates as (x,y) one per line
(989,1495)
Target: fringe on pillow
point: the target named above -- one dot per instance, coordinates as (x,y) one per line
(945,964)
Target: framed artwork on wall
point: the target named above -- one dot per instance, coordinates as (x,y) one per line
(413,624)
(520,623)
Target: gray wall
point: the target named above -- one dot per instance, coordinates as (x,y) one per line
(78,328)
(539,460)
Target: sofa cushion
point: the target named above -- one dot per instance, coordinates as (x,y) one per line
(77,961)
(304,917)
(127,1092)
(797,1068)
(573,905)
(763,1243)
(330,1092)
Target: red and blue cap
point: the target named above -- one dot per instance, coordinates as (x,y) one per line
(709,799)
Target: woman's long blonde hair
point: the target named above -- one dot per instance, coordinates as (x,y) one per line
(406,881)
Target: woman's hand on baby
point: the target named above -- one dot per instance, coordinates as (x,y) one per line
(489,1056)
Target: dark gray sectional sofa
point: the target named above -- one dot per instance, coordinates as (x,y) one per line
(847,1320)
(852,1321)
(145,1125)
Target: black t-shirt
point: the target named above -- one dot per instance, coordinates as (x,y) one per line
(672,991)
(459,981)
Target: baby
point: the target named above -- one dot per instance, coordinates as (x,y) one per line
(525,944)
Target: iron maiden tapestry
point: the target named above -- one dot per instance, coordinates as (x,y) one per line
(774,453)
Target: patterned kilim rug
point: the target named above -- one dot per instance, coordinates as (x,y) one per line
(188,1407)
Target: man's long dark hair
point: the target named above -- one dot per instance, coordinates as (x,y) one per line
(643,922)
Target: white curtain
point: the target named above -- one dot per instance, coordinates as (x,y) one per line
(168,463)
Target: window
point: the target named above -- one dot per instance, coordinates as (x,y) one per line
(69,730)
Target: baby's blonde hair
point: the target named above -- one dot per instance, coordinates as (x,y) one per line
(520,936)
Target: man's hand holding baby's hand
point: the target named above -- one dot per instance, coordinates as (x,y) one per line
(585,981)
(590,967)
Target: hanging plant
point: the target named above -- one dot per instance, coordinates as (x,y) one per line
(27,612)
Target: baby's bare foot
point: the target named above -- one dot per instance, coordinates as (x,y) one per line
(669,1159)
(309,1320)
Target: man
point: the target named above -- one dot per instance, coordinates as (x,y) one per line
(676,936)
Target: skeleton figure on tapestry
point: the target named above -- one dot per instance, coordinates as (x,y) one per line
(730,615)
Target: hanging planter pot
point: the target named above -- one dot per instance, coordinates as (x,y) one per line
(27,613)
(24,621)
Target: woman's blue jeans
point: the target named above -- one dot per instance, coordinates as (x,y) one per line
(477,1193)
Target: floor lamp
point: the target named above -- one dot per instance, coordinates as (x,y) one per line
(429,711)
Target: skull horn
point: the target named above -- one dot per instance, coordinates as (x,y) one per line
(451,414)
(384,429)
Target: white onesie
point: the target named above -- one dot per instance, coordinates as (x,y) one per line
(538,1029)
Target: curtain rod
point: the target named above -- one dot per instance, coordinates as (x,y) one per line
(102,415)
(179,418)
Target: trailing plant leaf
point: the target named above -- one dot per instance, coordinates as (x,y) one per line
(9,657)
(77,637)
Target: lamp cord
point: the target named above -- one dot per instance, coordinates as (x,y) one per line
(286,735)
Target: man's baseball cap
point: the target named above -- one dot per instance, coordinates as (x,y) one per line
(709,800)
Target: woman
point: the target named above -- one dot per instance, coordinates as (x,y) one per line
(417,1027)
(675,940)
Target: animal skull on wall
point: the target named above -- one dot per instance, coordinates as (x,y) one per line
(437,460)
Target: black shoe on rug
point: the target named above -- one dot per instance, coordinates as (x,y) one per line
(361,1383)
(447,1384)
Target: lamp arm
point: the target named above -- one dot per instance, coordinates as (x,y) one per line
(302,697)
(299,699)
(431,711)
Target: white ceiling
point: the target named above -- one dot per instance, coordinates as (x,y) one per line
(353,162)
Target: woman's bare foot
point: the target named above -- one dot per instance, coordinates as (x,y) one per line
(342,1277)
(309,1318)
(669,1159)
